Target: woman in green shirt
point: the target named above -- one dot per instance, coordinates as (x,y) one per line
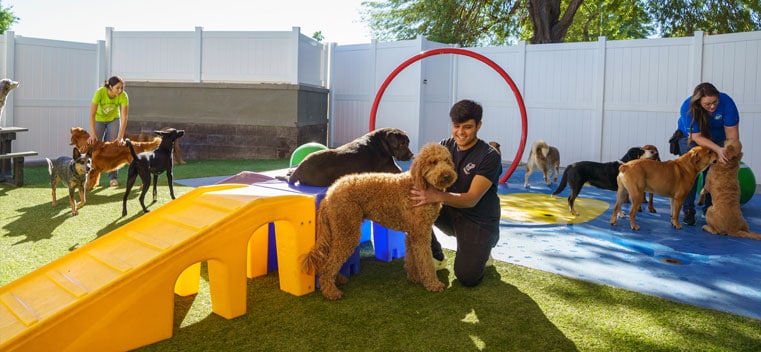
(108,115)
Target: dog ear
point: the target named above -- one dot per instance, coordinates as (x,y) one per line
(416,171)
(76,153)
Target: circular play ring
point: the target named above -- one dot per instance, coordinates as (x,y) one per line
(484,59)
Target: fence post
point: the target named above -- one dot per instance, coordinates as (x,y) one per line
(599,93)
(198,71)
(696,59)
(9,70)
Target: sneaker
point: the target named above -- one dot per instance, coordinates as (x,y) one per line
(113,183)
(489,262)
(439,264)
(689,217)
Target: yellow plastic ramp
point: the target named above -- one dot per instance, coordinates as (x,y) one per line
(117,292)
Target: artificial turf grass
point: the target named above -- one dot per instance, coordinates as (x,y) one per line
(516,308)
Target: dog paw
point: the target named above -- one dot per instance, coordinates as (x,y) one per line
(74,213)
(436,286)
(332,295)
(635,227)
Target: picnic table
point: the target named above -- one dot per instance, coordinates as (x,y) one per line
(12,163)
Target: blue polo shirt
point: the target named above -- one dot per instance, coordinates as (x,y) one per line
(726,115)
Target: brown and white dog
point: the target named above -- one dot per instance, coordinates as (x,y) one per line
(544,157)
(672,178)
(107,156)
(651,152)
(724,215)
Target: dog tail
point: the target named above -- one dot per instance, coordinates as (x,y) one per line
(563,181)
(50,166)
(131,148)
(747,234)
(312,261)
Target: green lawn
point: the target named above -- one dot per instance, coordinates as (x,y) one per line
(515,309)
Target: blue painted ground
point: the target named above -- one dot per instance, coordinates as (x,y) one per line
(718,272)
(688,265)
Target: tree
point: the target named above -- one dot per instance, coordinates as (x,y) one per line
(495,22)
(678,18)
(6,18)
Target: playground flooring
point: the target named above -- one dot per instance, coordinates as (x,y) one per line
(688,265)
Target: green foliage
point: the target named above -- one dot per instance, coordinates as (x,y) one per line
(677,18)
(7,18)
(494,22)
(466,23)
(318,36)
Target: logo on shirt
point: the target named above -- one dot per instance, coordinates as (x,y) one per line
(718,117)
(468,168)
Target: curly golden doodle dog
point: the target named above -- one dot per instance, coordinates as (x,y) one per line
(544,157)
(73,173)
(672,178)
(144,137)
(373,152)
(106,156)
(724,216)
(600,175)
(381,197)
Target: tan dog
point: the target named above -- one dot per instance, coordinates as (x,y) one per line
(724,215)
(672,179)
(382,198)
(496,146)
(106,156)
(144,137)
(544,157)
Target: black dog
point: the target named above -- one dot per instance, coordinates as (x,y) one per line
(373,152)
(600,175)
(153,163)
(73,173)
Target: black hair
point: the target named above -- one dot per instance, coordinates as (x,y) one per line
(112,81)
(465,110)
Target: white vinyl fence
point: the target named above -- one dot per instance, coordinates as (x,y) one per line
(592,100)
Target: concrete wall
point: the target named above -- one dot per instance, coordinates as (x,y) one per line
(231,121)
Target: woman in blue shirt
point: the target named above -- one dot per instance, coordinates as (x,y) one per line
(707,118)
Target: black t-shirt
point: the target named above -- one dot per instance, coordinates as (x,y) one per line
(481,159)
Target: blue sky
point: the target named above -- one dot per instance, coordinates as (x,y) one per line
(86,20)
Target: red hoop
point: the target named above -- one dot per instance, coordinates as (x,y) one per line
(484,59)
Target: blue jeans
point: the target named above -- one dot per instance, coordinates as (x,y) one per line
(689,200)
(107,131)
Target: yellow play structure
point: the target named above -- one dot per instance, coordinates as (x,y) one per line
(117,292)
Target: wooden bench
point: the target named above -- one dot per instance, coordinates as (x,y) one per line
(16,176)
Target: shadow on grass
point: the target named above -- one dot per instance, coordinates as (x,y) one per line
(380,311)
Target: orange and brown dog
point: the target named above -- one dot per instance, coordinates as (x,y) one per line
(672,178)
(106,156)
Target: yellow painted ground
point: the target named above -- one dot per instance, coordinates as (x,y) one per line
(548,209)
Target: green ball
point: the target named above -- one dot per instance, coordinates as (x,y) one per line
(747,183)
(303,150)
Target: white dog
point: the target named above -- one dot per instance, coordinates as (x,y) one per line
(6,86)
